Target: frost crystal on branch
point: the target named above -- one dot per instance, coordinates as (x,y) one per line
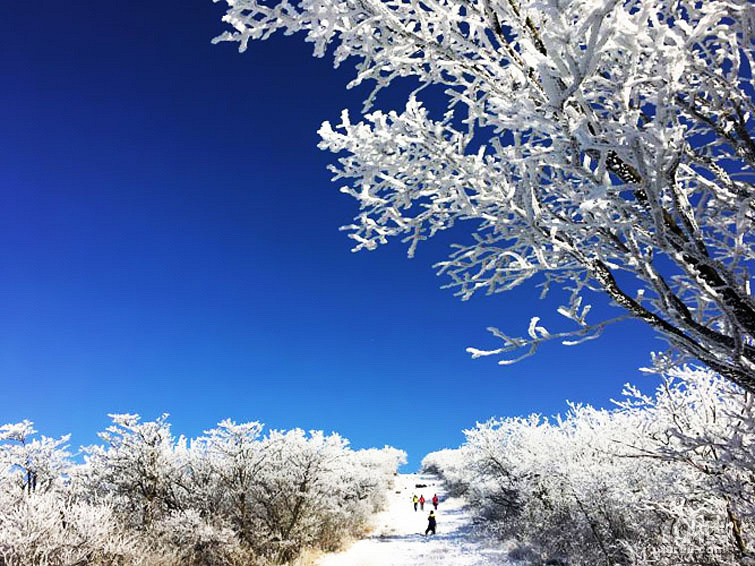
(602,144)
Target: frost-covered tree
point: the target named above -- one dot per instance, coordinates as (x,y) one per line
(595,144)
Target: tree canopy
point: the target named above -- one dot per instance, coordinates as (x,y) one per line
(593,145)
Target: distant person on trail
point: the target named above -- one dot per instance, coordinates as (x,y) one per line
(422,502)
(415,500)
(431,524)
(435,501)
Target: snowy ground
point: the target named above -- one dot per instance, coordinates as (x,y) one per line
(398,538)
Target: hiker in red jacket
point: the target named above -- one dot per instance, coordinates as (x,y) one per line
(421,502)
(435,501)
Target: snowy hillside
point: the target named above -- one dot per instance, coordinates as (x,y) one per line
(398,538)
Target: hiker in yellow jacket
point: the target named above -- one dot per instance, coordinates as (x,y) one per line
(415,500)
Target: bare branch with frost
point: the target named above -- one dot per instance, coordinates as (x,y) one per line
(582,138)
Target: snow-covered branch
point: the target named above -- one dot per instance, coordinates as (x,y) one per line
(582,138)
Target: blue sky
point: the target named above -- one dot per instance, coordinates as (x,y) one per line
(170,244)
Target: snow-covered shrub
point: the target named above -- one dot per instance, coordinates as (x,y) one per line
(41,524)
(193,540)
(43,521)
(31,463)
(707,424)
(139,469)
(447,463)
(233,497)
(289,489)
(222,468)
(664,479)
(305,495)
(47,529)
(371,474)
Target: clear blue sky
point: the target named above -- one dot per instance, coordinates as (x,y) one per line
(170,244)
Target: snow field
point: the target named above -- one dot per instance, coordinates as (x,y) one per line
(398,536)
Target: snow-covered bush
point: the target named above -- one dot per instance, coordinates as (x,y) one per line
(664,479)
(311,490)
(222,468)
(41,524)
(447,463)
(287,490)
(139,469)
(702,421)
(372,473)
(190,539)
(28,462)
(232,497)
(48,529)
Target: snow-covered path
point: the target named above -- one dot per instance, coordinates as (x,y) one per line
(398,538)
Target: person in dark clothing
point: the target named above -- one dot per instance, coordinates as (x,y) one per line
(431,524)
(435,501)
